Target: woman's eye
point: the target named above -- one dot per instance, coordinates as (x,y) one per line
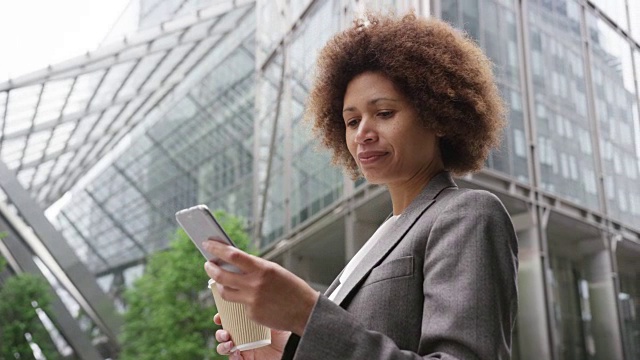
(352,123)
(385,114)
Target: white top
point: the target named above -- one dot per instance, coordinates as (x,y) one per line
(364,250)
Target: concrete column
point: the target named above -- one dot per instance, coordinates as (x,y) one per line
(297,264)
(532,321)
(603,304)
(306,268)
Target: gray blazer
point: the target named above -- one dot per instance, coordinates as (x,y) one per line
(443,287)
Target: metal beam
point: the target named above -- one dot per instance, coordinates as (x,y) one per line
(63,261)
(158,145)
(182,3)
(144,196)
(84,239)
(117,223)
(126,79)
(274,129)
(182,59)
(121,267)
(4,118)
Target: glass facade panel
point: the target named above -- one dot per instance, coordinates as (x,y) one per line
(315,183)
(3,107)
(20,113)
(636,123)
(112,82)
(84,87)
(296,8)
(450,11)
(493,24)
(629,302)
(52,101)
(568,297)
(397,6)
(634,17)
(558,74)
(614,99)
(199,152)
(615,10)
(272,22)
(270,164)
(153,12)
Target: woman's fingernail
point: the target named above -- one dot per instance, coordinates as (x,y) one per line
(209,266)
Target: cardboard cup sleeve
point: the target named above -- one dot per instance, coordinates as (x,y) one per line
(246,334)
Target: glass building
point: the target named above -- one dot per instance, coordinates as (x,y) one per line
(204,104)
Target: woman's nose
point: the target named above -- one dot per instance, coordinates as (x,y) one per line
(366,132)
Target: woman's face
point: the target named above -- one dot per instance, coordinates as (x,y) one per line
(384,134)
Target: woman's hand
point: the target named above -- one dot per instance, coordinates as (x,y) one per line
(273,351)
(273,296)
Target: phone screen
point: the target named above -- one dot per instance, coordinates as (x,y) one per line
(200,224)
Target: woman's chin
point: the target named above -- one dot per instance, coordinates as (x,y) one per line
(373,178)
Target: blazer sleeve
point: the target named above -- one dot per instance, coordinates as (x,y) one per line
(470,294)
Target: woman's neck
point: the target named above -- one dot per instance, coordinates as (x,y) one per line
(403,193)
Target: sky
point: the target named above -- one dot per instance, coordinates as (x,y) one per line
(36,33)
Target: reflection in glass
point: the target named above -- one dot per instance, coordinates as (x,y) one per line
(558,75)
(493,24)
(269,165)
(153,12)
(272,26)
(634,16)
(629,302)
(615,97)
(614,9)
(568,314)
(397,6)
(315,182)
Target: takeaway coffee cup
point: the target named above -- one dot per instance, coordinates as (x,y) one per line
(246,334)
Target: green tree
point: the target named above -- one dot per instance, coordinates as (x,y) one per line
(166,316)
(20,326)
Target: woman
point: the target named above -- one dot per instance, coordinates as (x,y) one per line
(404,103)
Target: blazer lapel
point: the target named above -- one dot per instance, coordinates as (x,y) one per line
(333,285)
(398,229)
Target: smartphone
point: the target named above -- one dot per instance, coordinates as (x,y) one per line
(200,224)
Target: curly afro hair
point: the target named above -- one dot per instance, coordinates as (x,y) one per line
(443,73)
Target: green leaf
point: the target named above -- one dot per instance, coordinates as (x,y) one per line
(21,295)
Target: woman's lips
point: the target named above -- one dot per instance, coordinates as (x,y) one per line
(370,157)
